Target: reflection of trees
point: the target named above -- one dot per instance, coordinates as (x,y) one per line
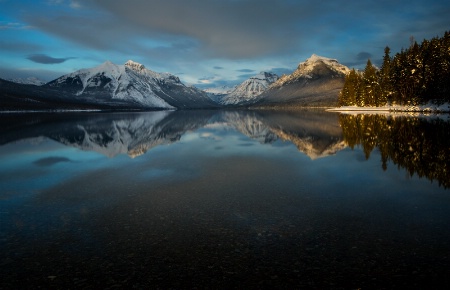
(421,146)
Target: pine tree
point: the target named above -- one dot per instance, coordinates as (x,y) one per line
(385,78)
(371,86)
(347,96)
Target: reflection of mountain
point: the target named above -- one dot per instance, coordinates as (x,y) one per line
(249,124)
(420,145)
(108,134)
(315,134)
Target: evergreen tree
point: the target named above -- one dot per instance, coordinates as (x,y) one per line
(418,74)
(371,87)
(347,96)
(385,78)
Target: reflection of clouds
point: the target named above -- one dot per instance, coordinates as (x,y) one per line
(49,161)
(211,136)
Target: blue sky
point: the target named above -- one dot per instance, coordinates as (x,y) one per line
(206,43)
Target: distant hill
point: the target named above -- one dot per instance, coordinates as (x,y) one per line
(28,81)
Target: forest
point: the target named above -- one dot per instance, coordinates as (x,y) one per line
(417,75)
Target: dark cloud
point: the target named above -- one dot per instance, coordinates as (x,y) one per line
(231,29)
(49,161)
(363,56)
(245,70)
(218,67)
(360,61)
(45,59)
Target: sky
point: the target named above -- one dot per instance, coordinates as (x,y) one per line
(207,43)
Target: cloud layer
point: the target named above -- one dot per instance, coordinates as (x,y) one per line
(204,37)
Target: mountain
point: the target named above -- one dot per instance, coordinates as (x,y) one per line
(316,82)
(249,90)
(131,83)
(107,86)
(28,81)
(216,93)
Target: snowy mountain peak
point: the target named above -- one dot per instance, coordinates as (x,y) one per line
(312,68)
(134,65)
(309,64)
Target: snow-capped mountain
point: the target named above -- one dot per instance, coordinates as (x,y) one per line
(28,81)
(316,82)
(313,68)
(130,83)
(216,93)
(250,89)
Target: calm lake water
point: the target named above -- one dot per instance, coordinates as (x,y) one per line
(224,199)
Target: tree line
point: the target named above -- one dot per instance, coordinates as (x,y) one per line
(416,75)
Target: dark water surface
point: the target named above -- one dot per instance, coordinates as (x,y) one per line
(224,199)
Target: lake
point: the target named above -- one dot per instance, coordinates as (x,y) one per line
(224,199)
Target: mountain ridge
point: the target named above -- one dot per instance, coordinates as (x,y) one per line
(316,82)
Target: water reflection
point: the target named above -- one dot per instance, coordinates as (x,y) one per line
(231,203)
(419,144)
(315,134)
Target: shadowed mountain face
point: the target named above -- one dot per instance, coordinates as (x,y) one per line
(135,134)
(315,83)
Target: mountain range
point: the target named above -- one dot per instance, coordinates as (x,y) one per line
(316,82)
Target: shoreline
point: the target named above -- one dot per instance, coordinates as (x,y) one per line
(420,109)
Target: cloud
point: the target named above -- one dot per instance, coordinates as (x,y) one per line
(178,35)
(45,59)
(363,56)
(14,26)
(206,80)
(229,29)
(247,70)
(49,161)
(245,77)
